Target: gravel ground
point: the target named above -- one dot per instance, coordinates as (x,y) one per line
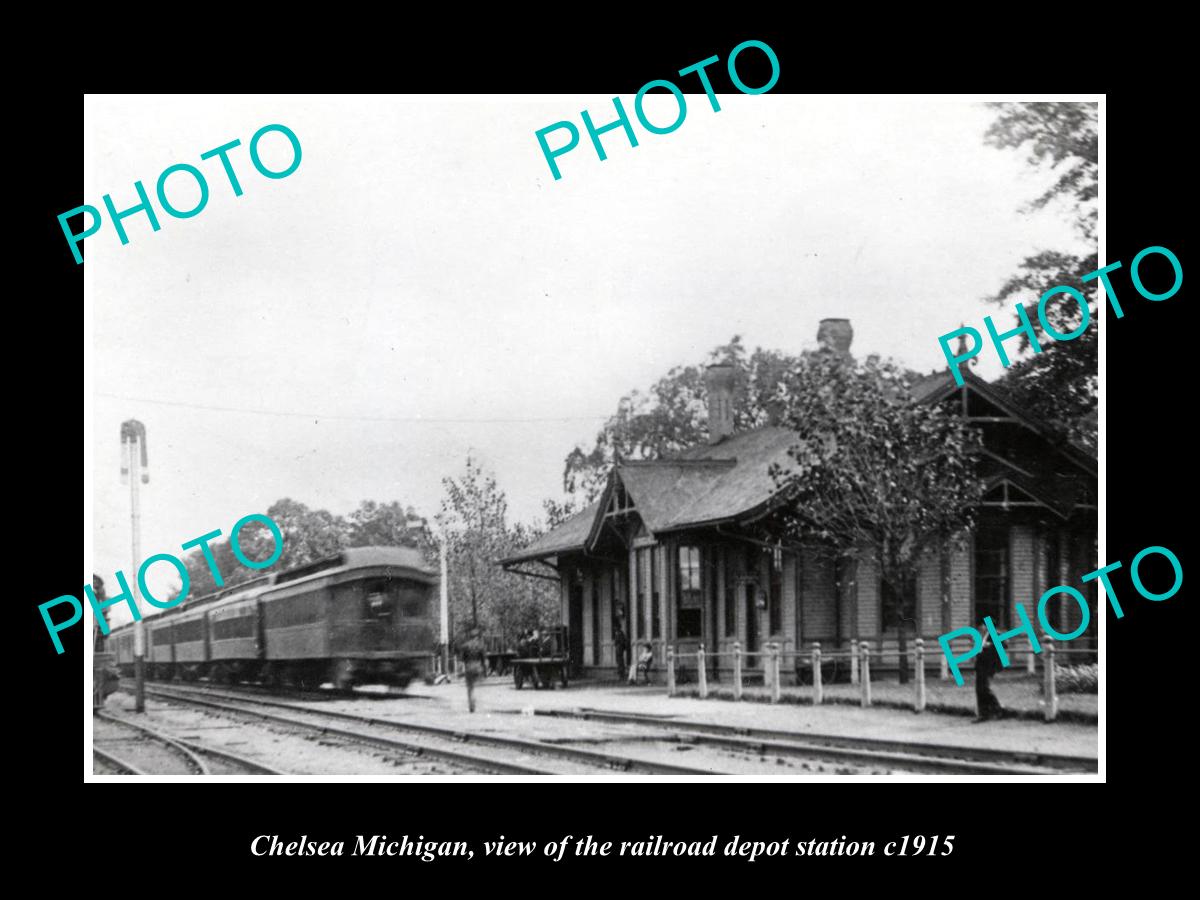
(640,742)
(635,742)
(502,710)
(285,749)
(100,767)
(497,695)
(1020,694)
(136,748)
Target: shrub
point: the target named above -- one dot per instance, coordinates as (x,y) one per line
(1078,679)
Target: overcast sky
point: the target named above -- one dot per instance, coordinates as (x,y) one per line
(421,287)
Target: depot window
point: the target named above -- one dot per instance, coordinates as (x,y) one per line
(688,599)
(775,593)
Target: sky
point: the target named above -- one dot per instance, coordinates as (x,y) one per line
(421,288)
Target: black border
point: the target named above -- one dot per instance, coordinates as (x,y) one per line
(1147,388)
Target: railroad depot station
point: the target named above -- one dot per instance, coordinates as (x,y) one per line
(688,551)
(678,554)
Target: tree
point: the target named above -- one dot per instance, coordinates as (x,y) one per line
(308,535)
(558,511)
(673,415)
(873,473)
(473,523)
(389,525)
(232,571)
(1059,384)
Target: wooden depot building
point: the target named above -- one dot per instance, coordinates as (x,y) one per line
(685,551)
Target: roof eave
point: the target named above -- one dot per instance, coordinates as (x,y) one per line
(539,555)
(1081,458)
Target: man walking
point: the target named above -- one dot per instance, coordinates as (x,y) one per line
(987,663)
(473,658)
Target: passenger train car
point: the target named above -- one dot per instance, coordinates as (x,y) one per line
(366,615)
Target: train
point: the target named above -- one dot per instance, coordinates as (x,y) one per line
(366,615)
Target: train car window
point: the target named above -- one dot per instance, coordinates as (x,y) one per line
(304,609)
(229,629)
(378,601)
(414,599)
(189,631)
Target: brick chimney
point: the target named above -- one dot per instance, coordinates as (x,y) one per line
(835,334)
(718,381)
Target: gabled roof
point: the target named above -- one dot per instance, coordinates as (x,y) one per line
(663,492)
(712,483)
(569,535)
(746,486)
(701,485)
(927,386)
(1061,494)
(937,386)
(706,483)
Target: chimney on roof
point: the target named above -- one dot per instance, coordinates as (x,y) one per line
(835,334)
(960,349)
(718,381)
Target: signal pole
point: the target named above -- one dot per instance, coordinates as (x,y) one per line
(444,618)
(133,434)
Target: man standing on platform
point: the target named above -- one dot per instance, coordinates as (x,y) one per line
(987,663)
(620,642)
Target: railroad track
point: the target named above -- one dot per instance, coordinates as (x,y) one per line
(227,762)
(537,750)
(290,693)
(158,753)
(113,764)
(303,720)
(912,756)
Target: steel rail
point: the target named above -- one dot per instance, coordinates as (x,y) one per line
(255,767)
(535,748)
(193,761)
(117,763)
(985,760)
(407,748)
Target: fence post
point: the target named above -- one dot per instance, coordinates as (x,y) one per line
(701,674)
(865,672)
(944,669)
(737,670)
(1029,661)
(775,656)
(1051,689)
(853,661)
(818,688)
(920,679)
(670,670)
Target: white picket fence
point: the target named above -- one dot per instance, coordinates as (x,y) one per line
(859,656)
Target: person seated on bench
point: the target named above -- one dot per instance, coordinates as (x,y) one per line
(645,664)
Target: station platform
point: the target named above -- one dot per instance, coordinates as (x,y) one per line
(498,695)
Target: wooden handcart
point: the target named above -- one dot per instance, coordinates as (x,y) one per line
(542,659)
(499,657)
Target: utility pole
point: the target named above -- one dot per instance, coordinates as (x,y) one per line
(133,469)
(444,618)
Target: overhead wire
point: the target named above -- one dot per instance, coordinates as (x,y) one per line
(345,417)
